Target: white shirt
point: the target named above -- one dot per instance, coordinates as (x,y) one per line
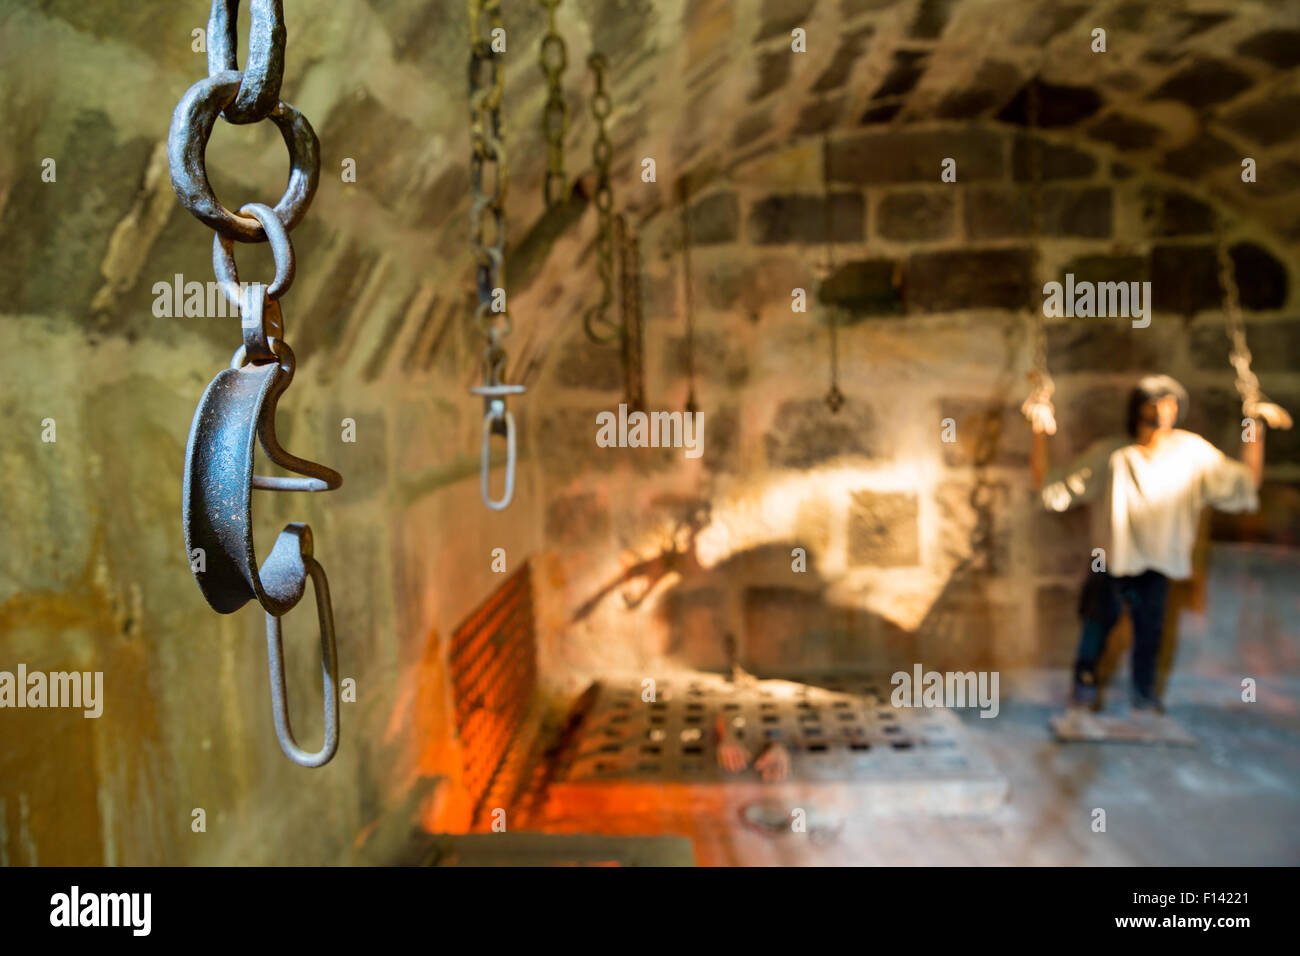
(1146,509)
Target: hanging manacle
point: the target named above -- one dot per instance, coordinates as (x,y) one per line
(834,397)
(492,317)
(554,57)
(1037,407)
(688,294)
(238,407)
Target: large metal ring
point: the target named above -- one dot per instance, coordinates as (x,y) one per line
(187,142)
(260,89)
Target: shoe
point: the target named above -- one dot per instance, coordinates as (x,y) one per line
(1141,702)
(1086,696)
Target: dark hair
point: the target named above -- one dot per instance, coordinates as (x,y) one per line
(1152,388)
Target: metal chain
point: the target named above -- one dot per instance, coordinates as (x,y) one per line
(488,211)
(633,341)
(1039,403)
(554,58)
(239,406)
(834,397)
(488,163)
(599,327)
(688,294)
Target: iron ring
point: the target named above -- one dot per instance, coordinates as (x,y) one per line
(187,142)
(259,91)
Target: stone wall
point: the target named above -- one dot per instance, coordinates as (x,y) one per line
(930,288)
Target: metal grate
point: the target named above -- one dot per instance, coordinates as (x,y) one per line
(844,729)
(493,664)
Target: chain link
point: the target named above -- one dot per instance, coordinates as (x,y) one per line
(488,165)
(599,327)
(688,294)
(554,58)
(633,342)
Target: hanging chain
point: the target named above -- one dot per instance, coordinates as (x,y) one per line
(554,59)
(488,164)
(600,328)
(633,341)
(1252,396)
(1038,407)
(688,295)
(834,397)
(238,409)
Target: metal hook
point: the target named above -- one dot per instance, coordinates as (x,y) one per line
(497,419)
(329,668)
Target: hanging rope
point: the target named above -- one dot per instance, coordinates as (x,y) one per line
(554,58)
(488,212)
(1037,408)
(1254,403)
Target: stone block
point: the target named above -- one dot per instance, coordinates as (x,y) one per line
(884,530)
(805,433)
(969,279)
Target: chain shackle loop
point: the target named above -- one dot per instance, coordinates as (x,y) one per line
(259,91)
(596,322)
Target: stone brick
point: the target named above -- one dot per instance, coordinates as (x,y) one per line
(1169,213)
(1185,279)
(773,72)
(969,279)
(916,216)
(1201,155)
(931,18)
(1086,416)
(1061,542)
(805,433)
(781,16)
(956,503)
(915,156)
(864,289)
(1106,345)
(1268,121)
(1273,345)
(1277,48)
(879,113)
(1058,162)
(566,443)
(1047,21)
(575,519)
(820,115)
(1261,279)
(1077,212)
(751,128)
(906,72)
(999,213)
(978,422)
(1203,83)
(1106,269)
(778,220)
(1125,132)
(1057,105)
(994,84)
(883,530)
(715,219)
(846,54)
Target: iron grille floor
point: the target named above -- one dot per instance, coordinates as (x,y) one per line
(840,731)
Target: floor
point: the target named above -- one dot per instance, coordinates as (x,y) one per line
(1233,799)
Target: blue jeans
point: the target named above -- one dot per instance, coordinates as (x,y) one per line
(1103,598)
